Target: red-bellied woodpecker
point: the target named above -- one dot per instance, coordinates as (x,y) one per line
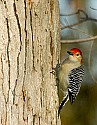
(70,75)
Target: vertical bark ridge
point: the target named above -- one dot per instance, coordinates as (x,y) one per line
(31,50)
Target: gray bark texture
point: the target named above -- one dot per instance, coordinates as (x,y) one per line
(29,49)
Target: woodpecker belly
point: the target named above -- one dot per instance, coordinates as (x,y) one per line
(64,72)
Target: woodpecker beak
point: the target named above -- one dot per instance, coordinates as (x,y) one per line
(70,53)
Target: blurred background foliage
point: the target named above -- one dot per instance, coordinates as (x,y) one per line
(84,109)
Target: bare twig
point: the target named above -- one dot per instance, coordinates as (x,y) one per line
(76,29)
(68,26)
(66,21)
(77,12)
(93,8)
(79,40)
(86,15)
(71,14)
(83,19)
(82,32)
(89,19)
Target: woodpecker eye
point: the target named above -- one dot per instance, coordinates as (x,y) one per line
(77,54)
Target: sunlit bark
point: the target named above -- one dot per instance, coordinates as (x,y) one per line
(29,49)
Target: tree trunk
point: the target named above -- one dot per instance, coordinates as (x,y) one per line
(29,49)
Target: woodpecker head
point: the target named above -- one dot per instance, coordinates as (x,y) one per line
(75,55)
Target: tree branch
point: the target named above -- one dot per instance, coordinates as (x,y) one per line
(89,19)
(68,26)
(83,19)
(79,40)
(80,31)
(93,8)
(77,12)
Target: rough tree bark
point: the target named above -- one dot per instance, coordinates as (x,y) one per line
(29,49)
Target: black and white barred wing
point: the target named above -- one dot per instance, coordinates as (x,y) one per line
(75,80)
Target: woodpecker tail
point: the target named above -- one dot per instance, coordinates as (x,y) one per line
(65,99)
